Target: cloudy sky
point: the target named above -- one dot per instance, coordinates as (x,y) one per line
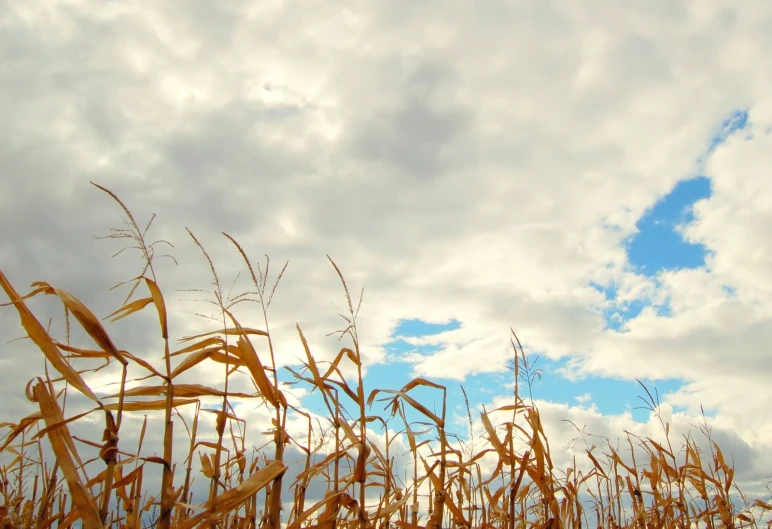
(592,174)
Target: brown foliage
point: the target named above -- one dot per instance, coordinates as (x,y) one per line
(449,487)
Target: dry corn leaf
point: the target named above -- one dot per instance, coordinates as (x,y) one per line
(344,387)
(420,381)
(458,516)
(59,424)
(360,467)
(207,466)
(25,423)
(694,456)
(351,356)
(660,448)
(257,370)
(13,462)
(512,407)
(390,509)
(494,440)
(729,480)
(406,525)
(764,505)
(45,343)
(719,455)
(208,343)
(142,363)
(130,478)
(348,353)
(196,358)
(180,390)
(149,405)
(87,320)
(212,445)
(231,358)
(228,332)
(81,352)
(160,306)
(410,400)
(51,413)
(232,499)
(619,461)
(129,308)
(253,364)
(317,380)
(595,463)
(349,432)
(230,416)
(101,445)
(69,518)
(330,497)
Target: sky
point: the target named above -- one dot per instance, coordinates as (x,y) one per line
(592,175)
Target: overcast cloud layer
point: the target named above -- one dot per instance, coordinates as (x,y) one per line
(478,161)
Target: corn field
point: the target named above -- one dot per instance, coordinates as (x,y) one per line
(508,482)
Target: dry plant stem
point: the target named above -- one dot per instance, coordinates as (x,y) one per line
(109,452)
(273,495)
(300,493)
(387,474)
(220,427)
(221,417)
(167,476)
(60,442)
(364,449)
(443,461)
(336,466)
(512,489)
(22,460)
(48,494)
(109,458)
(189,467)
(414,453)
(363,438)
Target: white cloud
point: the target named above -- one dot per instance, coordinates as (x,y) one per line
(583,398)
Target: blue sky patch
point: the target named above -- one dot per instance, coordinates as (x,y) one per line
(658,245)
(611,396)
(615,314)
(417,328)
(737,121)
